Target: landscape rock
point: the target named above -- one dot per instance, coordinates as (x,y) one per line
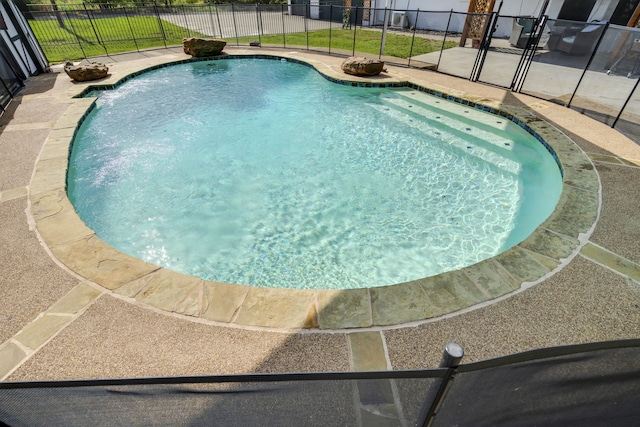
(197,47)
(86,72)
(360,66)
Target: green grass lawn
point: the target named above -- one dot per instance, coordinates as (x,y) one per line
(366,41)
(82,38)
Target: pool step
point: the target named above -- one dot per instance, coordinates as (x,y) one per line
(465,142)
(485,128)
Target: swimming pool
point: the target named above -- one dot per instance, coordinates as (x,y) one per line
(354,206)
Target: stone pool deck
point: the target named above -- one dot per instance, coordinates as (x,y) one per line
(72,307)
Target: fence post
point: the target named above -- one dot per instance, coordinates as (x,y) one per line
(330,25)
(56,11)
(593,54)
(235,26)
(625,103)
(75,33)
(84,5)
(484,46)
(213,27)
(307,12)
(130,28)
(258,15)
(284,35)
(452,355)
(186,20)
(218,19)
(451,358)
(355,28)
(413,37)
(164,36)
(523,70)
(444,39)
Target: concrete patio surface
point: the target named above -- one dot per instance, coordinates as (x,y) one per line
(59,321)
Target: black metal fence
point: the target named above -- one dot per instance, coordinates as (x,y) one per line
(593,68)
(594,384)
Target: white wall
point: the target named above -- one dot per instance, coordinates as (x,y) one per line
(437,20)
(509,7)
(434,13)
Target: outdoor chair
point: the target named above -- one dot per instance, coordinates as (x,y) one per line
(578,40)
(521,32)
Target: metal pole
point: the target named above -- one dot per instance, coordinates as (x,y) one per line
(330,25)
(625,103)
(307,12)
(584,72)
(355,27)
(213,27)
(94,29)
(75,33)
(218,19)
(413,37)
(486,42)
(164,36)
(444,40)
(131,29)
(261,29)
(57,13)
(525,71)
(186,21)
(235,27)
(452,355)
(258,21)
(284,34)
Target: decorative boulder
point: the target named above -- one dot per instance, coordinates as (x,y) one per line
(197,47)
(86,72)
(360,66)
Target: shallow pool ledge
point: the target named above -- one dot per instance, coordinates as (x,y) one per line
(544,252)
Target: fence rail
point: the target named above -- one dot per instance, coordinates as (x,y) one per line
(588,384)
(593,68)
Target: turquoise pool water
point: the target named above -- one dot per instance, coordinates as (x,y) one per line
(264,173)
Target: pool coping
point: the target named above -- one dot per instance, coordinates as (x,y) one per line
(547,250)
